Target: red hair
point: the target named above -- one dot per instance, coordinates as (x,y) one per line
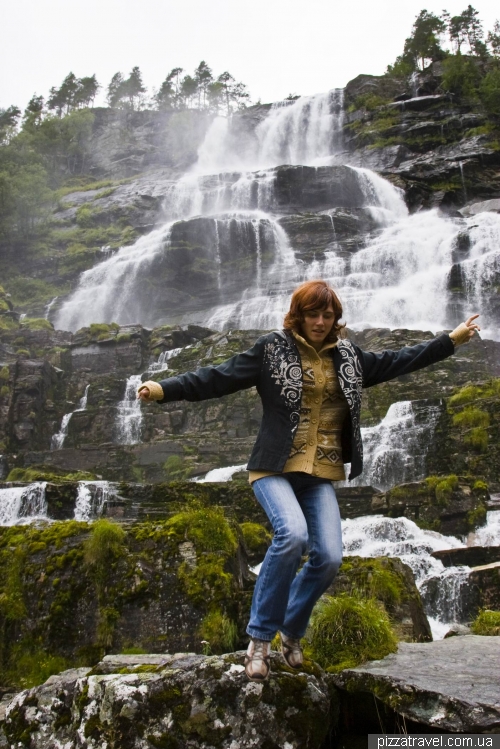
(313,295)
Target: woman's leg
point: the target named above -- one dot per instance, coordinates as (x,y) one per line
(319,506)
(279,568)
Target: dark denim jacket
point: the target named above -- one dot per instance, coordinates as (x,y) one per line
(273,366)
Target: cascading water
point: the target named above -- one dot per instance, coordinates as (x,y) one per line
(400,537)
(221,474)
(400,278)
(58,439)
(91,499)
(128,422)
(163,359)
(395,450)
(444,590)
(23,504)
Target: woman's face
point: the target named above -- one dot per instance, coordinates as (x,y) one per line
(317,325)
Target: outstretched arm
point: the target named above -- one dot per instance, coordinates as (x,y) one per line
(237,373)
(387,365)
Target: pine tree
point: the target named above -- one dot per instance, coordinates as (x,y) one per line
(203,77)
(115,90)
(133,87)
(423,44)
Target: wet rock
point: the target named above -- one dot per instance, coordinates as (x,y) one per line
(126,143)
(449,685)
(419,103)
(392,583)
(451,507)
(472,556)
(485,580)
(485,205)
(179,701)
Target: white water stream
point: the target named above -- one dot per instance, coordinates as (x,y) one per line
(57,441)
(443,589)
(91,499)
(20,505)
(394,451)
(128,422)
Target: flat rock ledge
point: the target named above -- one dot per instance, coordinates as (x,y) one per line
(452,685)
(181,701)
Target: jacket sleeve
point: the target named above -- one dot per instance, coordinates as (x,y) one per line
(238,373)
(385,366)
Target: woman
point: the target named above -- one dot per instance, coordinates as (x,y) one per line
(310,381)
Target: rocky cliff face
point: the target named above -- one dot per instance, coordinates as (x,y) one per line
(99,361)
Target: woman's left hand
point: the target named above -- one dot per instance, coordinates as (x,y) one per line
(464,332)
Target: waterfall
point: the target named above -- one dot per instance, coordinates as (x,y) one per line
(49,307)
(109,291)
(378,536)
(23,504)
(58,439)
(129,414)
(445,591)
(489,534)
(164,357)
(91,499)
(306,131)
(223,224)
(395,450)
(221,474)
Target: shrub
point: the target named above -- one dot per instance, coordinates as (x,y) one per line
(31,665)
(461,76)
(487,623)
(489,91)
(219,631)
(346,631)
(175,468)
(103,546)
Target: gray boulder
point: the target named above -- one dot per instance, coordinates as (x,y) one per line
(181,701)
(449,685)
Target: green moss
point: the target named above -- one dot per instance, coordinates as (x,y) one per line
(256,537)
(477,438)
(471,417)
(346,631)
(374,578)
(470,393)
(133,651)
(206,527)
(104,545)
(4,373)
(36,323)
(12,606)
(29,475)
(477,517)
(31,665)
(480,486)
(220,632)
(487,623)
(367,101)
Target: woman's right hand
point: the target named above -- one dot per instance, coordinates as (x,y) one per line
(144,394)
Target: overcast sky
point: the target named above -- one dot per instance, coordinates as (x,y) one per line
(276,47)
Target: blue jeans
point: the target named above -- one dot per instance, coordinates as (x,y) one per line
(304,513)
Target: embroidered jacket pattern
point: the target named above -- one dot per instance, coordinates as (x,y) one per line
(273,366)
